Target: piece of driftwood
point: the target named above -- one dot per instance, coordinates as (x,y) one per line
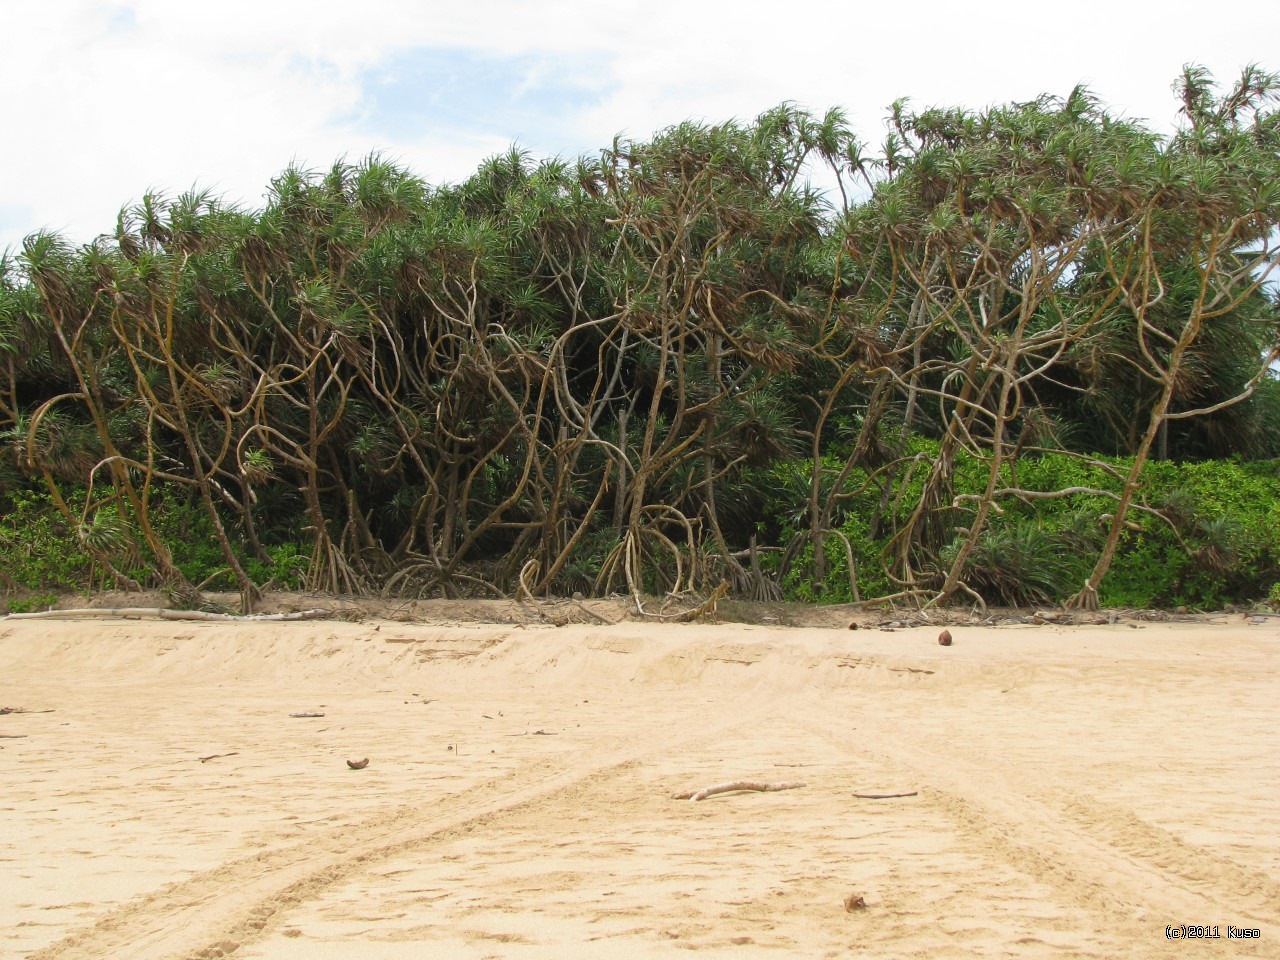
(13,736)
(600,618)
(757,785)
(308,714)
(885,796)
(215,756)
(160,613)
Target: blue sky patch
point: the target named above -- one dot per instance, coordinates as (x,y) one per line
(15,220)
(120,18)
(532,100)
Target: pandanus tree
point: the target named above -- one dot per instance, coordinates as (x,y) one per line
(980,227)
(79,296)
(580,375)
(1206,245)
(715,228)
(1017,241)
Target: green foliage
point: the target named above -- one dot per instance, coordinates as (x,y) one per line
(32,602)
(284,569)
(1017,563)
(38,550)
(187,531)
(586,561)
(679,347)
(1208,532)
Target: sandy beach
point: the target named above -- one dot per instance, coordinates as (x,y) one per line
(181,790)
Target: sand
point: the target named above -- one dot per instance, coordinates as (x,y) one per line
(1077,789)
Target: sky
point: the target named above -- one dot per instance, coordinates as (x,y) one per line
(104,101)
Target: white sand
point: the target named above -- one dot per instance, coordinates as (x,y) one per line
(1078,789)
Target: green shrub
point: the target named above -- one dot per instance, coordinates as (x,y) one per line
(38,550)
(1199,534)
(284,571)
(1017,563)
(32,601)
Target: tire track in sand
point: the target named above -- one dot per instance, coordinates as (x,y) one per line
(214,913)
(1090,852)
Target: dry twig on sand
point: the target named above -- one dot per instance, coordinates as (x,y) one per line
(757,785)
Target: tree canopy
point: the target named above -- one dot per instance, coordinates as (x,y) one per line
(672,364)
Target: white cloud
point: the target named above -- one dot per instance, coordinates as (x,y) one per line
(106,100)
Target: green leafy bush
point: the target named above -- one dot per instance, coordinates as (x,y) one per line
(1201,534)
(38,550)
(285,569)
(31,602)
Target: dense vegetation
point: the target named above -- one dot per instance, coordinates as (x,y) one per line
(993,367)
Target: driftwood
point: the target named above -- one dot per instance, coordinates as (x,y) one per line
(757,785)
(160,613)
(591,613)
(885,796)
(309,713)
(215,756)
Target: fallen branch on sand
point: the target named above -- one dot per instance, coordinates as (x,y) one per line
(885,796)
(601,618)
(160,613)
(757,785)
(215,756)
